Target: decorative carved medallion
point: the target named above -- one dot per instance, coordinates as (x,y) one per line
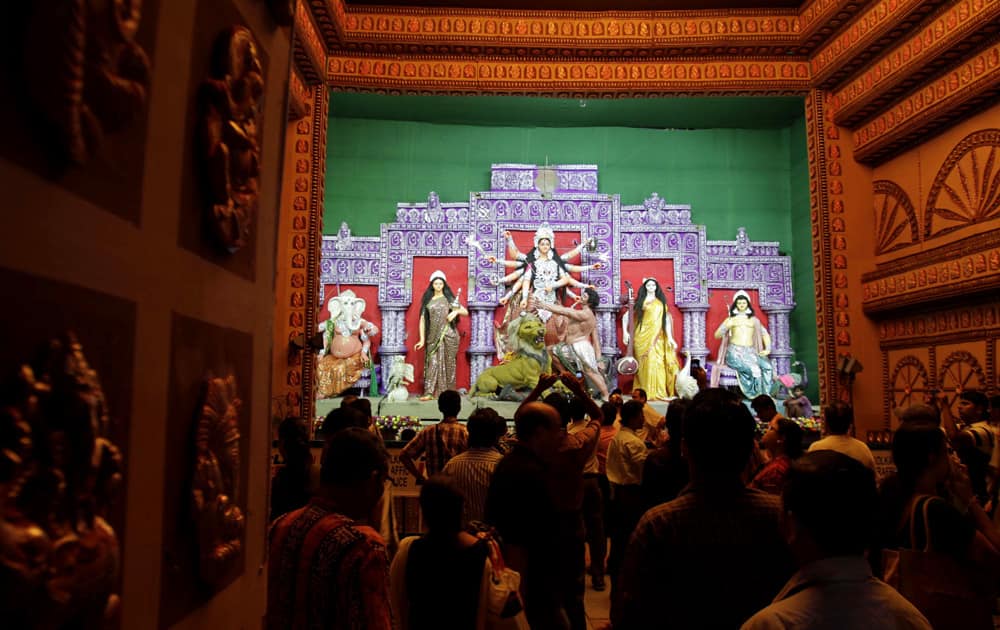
(909,382)
(215,489)
(895,218)
(59,558)
(86,75)
(228,136)
(970,182)
(960,371)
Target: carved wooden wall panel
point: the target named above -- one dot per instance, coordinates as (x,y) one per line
(73,97)
(201,351)
(106,327)
(195,230)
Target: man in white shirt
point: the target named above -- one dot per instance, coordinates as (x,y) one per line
(837,420)
(829,502)
(653,422)
(626,456)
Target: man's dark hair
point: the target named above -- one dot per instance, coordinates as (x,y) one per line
(577,410)
(609,413)
(719,433)
(343,418)
(363,405)
(763,402)
(561,404)
(347,400)
(529,420)
(482,428)
(351,456)
(675,421)
(838,417)
(835,499)
(450,403)
(631,409)
(978,399)
(914,444)
(638,391)
(441,503)
(592,299)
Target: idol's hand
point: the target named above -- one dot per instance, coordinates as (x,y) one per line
(597,265)
(507,235)
(764,352)
(504,299)
(492,259)
(418,345)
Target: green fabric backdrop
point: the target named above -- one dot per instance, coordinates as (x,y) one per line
(732,177)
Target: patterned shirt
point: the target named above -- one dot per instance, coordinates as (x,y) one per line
(723,547)
(472,471)
(326,571)
(438,443)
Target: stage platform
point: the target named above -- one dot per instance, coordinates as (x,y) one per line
(427,411)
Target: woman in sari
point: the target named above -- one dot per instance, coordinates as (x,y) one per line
(439,313)
(655,348)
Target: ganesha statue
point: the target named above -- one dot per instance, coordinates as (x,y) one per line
(346,351)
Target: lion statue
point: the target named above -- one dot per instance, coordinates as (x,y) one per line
(528,359)
(400,375)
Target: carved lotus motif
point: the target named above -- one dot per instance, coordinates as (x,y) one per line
(966,189)
(895,218)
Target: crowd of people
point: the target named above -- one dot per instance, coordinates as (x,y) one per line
(703,521)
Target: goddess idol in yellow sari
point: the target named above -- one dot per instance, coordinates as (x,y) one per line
(655,348)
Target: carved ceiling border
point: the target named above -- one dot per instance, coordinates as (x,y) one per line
(952,33)
(561,34)
(969,266)
(874,28)
(307,46)
(473,75)
(945,325)
(807,28)
(931,107)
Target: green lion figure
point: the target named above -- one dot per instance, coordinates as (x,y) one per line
(527,343)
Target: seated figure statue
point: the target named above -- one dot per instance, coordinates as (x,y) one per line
(346,345)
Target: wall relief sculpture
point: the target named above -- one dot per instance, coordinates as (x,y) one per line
(895,218)
(966,189)
(86,76)
(215,489)
(59,472)
(229,110)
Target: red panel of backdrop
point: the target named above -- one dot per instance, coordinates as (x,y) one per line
(663,271)
(457,271)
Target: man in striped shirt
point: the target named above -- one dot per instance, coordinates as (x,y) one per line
(439,442)
(473,469)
